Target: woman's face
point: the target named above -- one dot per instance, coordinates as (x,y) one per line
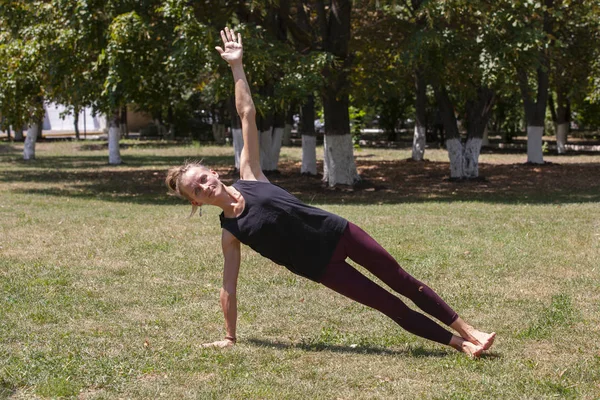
(202,185)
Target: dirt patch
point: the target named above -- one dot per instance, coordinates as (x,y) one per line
(383,181)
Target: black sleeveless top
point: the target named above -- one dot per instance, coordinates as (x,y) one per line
(280,227)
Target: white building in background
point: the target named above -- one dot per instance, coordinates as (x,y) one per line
(55,121)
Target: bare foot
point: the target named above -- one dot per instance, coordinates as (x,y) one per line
(481,338)
(464,346)
(474,336)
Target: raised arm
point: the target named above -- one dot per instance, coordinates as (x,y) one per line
(250,157)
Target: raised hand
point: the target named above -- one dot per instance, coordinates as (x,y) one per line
(233,46)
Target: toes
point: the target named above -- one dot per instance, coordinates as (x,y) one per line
(490,341)
(477,352)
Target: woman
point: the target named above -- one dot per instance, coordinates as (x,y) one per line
(310,242)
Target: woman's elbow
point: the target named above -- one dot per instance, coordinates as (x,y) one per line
(247,112)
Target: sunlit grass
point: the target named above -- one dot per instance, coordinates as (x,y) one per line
(107,291)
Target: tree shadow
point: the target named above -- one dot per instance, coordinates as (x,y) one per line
(9,149)
(141,180)
(101,160)
(359,349)
(146,143)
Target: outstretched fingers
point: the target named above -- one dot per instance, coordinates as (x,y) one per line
(230,34)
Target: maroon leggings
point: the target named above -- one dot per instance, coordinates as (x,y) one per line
(365,251)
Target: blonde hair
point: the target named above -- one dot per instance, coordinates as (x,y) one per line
(174,179)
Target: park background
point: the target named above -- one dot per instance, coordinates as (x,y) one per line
(108,290)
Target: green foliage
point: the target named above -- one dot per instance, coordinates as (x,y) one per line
(586,115)
(24,34)
(159,54)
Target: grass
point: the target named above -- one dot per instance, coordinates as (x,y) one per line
(107,291)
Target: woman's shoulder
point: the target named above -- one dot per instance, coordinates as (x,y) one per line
(250,182)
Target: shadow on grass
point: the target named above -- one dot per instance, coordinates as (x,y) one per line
(93,161)
(141,180)
(137,144)
(7,389)
(334,348)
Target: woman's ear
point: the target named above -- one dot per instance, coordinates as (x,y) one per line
(215,173)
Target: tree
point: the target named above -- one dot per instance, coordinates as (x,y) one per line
(382,71)
(165,45)
(339,166)
(24,34)
(465,83)
(575,48)
(525,28)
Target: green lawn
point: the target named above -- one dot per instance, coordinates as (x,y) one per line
(107,290)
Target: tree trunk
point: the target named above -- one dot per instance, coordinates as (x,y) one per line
(471,157)
(29,148)
(479,112)
(218,131)
(534,144)
(271,133)
(218,126)
(418,149)
(562,131)
(123,127)
(338,160)
(535,102)
(114,131)
(485,141)
(19,137)
(76,112)
(287,129)
(453,142)
(563,117)
(170,123)
(339,166)
(309,138)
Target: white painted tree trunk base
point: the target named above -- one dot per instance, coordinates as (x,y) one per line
(114,153)
(276,147)
(418,149)
(456,156)
(287,135)
(29,148)
(485,141)
(534,144)
(339,167)
(265,140)
(238,144)
(270,147)
(471,158)
(309,155)
(562,131)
